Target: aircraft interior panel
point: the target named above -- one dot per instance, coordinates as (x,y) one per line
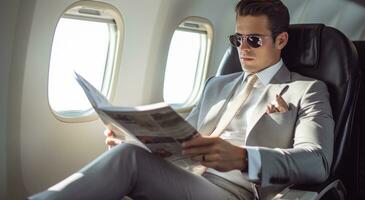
(36,149)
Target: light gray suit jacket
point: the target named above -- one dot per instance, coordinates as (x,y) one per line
(295,146)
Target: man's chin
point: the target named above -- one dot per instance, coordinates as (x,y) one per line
(249,68)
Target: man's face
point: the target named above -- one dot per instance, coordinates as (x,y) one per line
(257,59)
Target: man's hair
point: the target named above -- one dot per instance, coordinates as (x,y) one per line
(276,12)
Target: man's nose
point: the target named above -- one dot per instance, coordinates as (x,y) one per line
(244,45)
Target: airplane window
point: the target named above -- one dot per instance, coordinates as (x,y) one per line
(181,65)
(85,41)
(186,63)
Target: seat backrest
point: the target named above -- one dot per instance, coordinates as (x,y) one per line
(326,54)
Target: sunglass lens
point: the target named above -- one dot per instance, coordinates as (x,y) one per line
(235,41)
(254,41)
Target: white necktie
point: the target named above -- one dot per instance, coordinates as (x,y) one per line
(235,105)
(231,111)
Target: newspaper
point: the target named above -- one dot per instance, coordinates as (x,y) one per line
(156,127)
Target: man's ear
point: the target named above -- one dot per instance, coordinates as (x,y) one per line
(281,40)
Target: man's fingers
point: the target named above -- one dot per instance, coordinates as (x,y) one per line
(268,109)
(272,108)
(278,105)
(200,150)
(209,164)
(198,158)
(112,141)
(282,109)
(215,165)
(281,103)
(109,141)
(199,141)
(208,158)
(108,133)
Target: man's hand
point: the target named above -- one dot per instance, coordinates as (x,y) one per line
(216,153)
(278,105)
(111,140)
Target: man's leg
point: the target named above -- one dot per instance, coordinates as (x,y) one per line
(131,170)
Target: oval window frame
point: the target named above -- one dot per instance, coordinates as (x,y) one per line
(196,23)
(90,115)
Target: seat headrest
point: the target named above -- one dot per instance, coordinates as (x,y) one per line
(302,51)
(230,62)
(303,47)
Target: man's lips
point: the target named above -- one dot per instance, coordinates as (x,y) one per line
(247,58)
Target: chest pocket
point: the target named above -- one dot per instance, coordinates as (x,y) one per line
(274,130)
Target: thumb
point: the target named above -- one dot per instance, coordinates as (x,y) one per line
(108,133)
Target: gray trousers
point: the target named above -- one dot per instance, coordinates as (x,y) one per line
(128,170)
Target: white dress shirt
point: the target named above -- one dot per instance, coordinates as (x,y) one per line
(236,131)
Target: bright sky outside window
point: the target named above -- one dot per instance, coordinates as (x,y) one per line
(82,46)
(182,65)
(187,62)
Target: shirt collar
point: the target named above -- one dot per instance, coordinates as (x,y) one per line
(268,73)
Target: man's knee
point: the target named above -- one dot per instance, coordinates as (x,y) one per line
(122,156)
(128,151)
(126,148)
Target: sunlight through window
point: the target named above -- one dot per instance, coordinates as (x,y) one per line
(81,46)
(187,62)
(85,41)
(181,66)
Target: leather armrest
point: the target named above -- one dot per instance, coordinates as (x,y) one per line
(313,192)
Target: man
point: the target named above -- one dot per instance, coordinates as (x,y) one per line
(260,130)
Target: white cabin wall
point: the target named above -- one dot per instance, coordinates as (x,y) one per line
(8,16)
(45,150)
(345,15)
(49,150)
(352,21)
(172,12)
(223,17)
(140,19)
(40,150)
(16,188)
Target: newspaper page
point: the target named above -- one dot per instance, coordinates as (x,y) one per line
(156,127)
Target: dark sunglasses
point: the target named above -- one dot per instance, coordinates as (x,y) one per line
(254,41)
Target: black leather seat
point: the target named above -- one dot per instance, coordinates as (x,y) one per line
(357,190)
(324,53)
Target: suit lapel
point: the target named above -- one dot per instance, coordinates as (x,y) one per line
(215,112)
(276,85)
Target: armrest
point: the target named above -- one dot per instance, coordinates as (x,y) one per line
(314,192)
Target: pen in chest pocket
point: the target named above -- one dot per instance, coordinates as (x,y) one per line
(284,90)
